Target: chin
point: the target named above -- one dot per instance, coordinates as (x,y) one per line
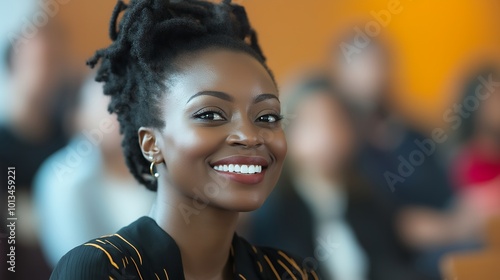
(242,203)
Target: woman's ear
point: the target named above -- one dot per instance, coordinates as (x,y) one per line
(147,142)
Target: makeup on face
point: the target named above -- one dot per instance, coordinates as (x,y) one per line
(222,124)
(242,169)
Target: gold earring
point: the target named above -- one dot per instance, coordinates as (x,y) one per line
(151,167)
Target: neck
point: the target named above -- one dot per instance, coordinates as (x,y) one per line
(203,233)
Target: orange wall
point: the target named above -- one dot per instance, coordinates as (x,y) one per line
(435,41)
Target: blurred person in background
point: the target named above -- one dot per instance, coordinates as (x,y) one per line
(41,89)
(476,168)
(39,103)
(322,208)
(365,79)
(475,172)
(89,180)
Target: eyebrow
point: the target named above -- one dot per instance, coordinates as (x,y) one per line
(265,96)
(218,94)
(227,97)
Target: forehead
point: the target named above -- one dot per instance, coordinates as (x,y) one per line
(234,72)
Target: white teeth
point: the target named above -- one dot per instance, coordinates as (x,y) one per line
(239,168)
(244,169)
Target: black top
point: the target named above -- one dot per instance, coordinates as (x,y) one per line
(143,250)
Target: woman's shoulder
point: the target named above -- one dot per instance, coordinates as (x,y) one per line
(283,265)
(95,259)
(115,256)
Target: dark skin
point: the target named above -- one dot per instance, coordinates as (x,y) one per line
(221,105)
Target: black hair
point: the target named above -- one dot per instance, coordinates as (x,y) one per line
(146,44)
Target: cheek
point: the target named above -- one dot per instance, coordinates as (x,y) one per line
(277,145)
(190,145)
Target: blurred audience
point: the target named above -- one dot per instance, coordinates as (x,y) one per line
(40,102)
(89,180)
(40,94)
(364,78)
(350,201)
(475,172)
(322,210)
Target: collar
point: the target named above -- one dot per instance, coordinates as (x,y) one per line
(163,255)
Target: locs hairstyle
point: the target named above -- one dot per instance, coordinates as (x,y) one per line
(143,55)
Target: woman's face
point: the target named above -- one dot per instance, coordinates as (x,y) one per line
(222,140)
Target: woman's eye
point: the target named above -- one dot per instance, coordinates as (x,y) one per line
(270,118)
(210,116)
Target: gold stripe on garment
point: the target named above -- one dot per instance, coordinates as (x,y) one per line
(123,261)
(166,275)
(314,275)
(272,267)
(137,251)
(287,269)
(137,268)
(106,252)
(241,276)
(260,267)
(100,241)
(293,263)
(254,249)
(157,276)
(113,245)
(305,274)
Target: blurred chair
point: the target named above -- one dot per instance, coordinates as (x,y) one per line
(483,265)
(493,234)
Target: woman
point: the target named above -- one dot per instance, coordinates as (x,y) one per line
(199,111)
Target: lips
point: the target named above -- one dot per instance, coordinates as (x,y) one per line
(246,170)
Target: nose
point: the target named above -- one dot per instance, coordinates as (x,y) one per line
(245,134)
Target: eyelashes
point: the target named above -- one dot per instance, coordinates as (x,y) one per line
(215,115)
(270,118)
(210,115)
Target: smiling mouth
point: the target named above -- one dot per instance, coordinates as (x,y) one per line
(239,168)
